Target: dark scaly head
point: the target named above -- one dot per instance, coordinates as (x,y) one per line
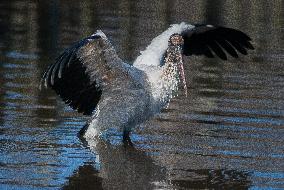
(176,40)
(174,61)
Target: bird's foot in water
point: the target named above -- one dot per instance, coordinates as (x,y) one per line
(126,138)
(112,136)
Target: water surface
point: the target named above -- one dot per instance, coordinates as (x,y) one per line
(228,133)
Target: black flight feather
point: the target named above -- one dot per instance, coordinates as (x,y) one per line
(68,78)
(205,39)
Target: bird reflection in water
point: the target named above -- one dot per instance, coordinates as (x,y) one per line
(125,167)
(120,167)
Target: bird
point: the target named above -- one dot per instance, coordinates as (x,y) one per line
(90,77)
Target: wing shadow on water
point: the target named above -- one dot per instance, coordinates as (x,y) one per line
(125,167)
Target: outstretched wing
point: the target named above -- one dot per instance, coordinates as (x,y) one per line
(205,39)
(77,75)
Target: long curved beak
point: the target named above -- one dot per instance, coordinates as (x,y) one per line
(182,77)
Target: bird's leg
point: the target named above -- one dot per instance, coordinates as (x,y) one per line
(81,134)
(83,130)
(126,138)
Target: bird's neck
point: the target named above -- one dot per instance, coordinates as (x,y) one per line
(170,75)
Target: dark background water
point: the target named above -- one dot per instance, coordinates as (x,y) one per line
(228,133)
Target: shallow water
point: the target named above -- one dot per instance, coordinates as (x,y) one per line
(228,133)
